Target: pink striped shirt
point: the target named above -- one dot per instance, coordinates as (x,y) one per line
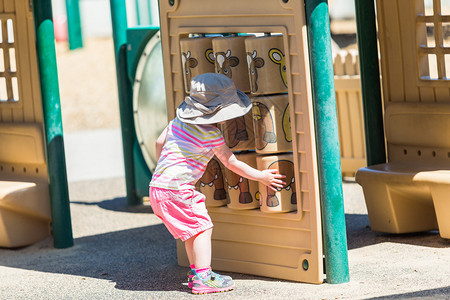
(185,154)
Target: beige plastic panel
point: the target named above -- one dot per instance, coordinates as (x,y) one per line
(24,196)
(250,241)
(415,65)
(411,192)
(22,143)
(19,82)
(347,83)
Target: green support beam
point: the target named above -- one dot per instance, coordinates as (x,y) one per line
(74,24)
(327,136)
(56,163)
(119,24)
(370,82)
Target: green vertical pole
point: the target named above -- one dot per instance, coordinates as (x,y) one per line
(56,163)
(119,24)
(328,154)
(370,81)
(74,24)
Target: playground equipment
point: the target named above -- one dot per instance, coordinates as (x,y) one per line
(33,182)
(287,245)
(284,245)
(410,192)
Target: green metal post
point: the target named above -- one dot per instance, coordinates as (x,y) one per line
(370,82)
(119,24)
(56,163)
(329,160)
(74,24)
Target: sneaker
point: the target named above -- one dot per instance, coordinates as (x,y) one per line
(211,283)
(191,275)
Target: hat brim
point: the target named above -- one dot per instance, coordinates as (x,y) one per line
(234,110)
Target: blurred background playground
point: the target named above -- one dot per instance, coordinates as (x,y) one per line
(95,170)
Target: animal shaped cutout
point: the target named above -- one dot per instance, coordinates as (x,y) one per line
(235,181)
(213,176)
(188,64)
(277,57)
(209,55)
(287,124)
(236,131)
(254,63)
(264,126)
(286,168)
(224,63)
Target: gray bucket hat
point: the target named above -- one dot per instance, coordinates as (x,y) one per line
(213,99)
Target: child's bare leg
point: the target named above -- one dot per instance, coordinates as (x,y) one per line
(198,249)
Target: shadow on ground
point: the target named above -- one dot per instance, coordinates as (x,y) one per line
(360,235)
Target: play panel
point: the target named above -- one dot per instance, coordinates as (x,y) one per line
(281,235)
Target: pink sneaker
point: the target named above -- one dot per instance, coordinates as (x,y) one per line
(210,282)
(191,275)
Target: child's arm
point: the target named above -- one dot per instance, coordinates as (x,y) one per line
(269,178)
(160,142)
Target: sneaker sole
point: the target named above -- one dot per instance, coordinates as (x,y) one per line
(208,290)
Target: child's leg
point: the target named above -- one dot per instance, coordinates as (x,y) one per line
(198,249)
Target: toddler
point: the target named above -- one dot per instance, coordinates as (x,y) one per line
(184,149)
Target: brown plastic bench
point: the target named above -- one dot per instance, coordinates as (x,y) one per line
(411,192)
(24,192)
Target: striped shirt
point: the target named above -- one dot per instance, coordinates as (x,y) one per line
(185,154)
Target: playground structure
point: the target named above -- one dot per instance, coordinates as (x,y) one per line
(235,250)
(416,171)
(32,166)
(411,191)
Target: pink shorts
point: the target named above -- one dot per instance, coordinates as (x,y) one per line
(183,211)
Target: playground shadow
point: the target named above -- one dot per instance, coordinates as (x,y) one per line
(440,293)
(118,204)
(359,234)
(139,259)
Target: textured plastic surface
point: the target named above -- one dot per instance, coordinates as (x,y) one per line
(412,189)
(24,192)
(288,245)
(347,83)
(409,192)
(24,195)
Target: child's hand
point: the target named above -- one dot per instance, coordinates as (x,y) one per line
(272,179)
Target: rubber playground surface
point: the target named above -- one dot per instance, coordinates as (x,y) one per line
(124,252)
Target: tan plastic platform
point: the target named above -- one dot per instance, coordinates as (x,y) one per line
(24,195)
(250,241)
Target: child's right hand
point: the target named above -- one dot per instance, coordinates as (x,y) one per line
(272,179)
